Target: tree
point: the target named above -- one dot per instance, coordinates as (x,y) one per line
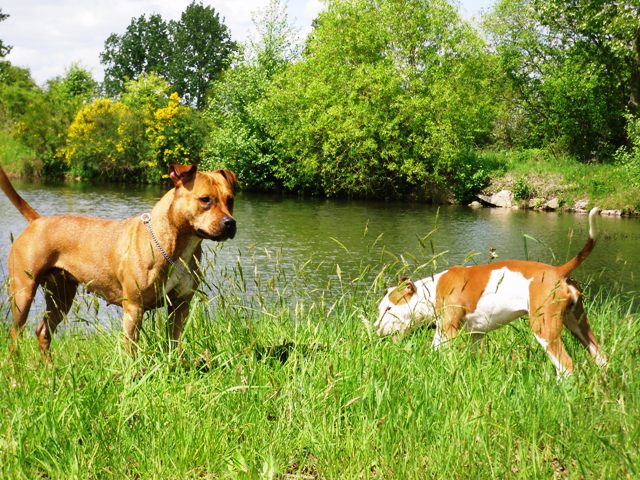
(145,47)
(380,103)
(147,94)
(238,137)
(188,53)
(104,141)
(202,50)
(176,135)
(574,69)
(4,49)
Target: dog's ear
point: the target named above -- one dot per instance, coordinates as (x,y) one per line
(230,177)
(403,293)
(407,286)
(180,174)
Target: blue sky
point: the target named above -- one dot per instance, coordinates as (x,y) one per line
(49,36)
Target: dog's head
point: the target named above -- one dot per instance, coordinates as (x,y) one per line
(407,305)
(397,309)
(204,201)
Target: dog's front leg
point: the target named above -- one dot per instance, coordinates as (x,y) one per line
(131,322)
(178,314)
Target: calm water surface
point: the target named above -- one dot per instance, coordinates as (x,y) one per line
(282,233)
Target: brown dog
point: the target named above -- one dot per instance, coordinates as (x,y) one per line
(135,263)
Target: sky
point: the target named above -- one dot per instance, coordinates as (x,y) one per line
(49,36)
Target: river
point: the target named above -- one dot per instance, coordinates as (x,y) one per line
(336,240)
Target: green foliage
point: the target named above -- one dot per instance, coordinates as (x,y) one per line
(4,49)
(134,139)
(471,174)
(201,50)
(147,94)
(378,106)
(188,53)
(239,137)
(570,71)
(143,48)
(102,141)
(15,157)
(176,136)
(629,158)
(522,190)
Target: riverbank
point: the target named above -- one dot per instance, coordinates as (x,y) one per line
(266,391)
(534,179)
(529,179)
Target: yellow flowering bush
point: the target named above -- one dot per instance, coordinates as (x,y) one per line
(105,140)
(176,135)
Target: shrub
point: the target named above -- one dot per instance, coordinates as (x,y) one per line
(522,190)
(176,136)
(105,141)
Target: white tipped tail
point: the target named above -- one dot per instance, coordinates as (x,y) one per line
(593,228)
(572,264)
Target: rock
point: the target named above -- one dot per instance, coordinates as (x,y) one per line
(552,204)
(504,198)
(475,204)
(580,206)
(612,213)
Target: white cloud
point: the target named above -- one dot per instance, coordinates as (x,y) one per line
(49,37)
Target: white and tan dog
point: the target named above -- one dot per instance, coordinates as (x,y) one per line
(138,263)
(486,297)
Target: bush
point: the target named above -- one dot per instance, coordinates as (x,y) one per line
(105,141)
(522,190)
(176,136)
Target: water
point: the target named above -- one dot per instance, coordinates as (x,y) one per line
(340,237)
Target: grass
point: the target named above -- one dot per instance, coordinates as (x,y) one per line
(546,175)
(265,388)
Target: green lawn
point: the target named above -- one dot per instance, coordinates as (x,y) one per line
(264,390)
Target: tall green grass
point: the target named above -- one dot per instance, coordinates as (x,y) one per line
(280,381)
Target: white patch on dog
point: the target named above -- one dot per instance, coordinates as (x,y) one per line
(505,298)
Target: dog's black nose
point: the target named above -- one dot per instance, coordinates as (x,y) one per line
(229,222)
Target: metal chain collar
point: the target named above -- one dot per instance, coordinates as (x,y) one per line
(146,219)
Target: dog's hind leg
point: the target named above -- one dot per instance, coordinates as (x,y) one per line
(546,324)
(22,290)
(575,320)
(59,291)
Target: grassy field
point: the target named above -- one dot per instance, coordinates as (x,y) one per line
(269,389)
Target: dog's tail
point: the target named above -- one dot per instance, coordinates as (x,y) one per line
(575,262)
(20,203)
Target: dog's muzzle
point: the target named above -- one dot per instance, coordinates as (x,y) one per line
(227,232)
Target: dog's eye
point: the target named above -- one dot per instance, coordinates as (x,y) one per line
(230,203)
(205,200)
